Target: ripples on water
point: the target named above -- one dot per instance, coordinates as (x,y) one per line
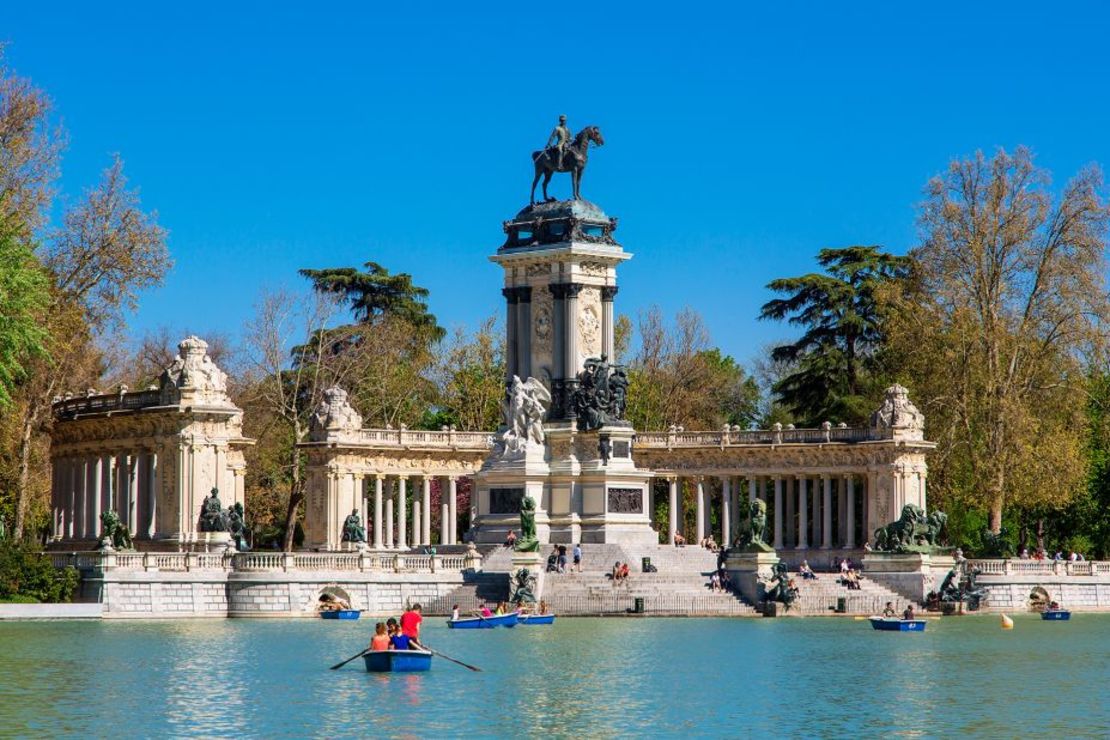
(582,677)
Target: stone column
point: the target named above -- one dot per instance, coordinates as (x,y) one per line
(751,489)
(71,498)
(826,512)
(815,513)
(778,513)
(570,368)
(401,509)
(608,293)
(389,523)
(726,511)
(790,533)
(152,501)
(97,492)
(133,493)
(378,541)
(558,316)
(736,515)
(803,515)
(841,504)
(444,514)
(850,519)
(700,502)
(672,508)
(510,333)
(453,510)
(80,520)
(426,532)
(524,331)
(417,520)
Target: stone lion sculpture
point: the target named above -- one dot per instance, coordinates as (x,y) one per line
(752,535)
(115,533)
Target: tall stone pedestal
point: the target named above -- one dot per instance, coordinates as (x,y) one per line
(749,571)
(584,484)
(533,562)
(912,575)
(501,485)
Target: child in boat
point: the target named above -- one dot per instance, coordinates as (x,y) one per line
(889,611)
(455,613)
(484,610)
(380,640)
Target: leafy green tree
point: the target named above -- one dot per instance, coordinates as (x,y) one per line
(24,297)
(377,294)
(26,575)
(1007,299)
(837,361)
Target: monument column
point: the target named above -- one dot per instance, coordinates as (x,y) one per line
(97,492)
(570,325)
(378,543)
(389,523)
(608,293)
(453,510)
(841,505)
(558,316)
(751,488)
(803,515)
(524,331)
(726,511)
(82,487)
(672,508)
(444,512)
(426,533)
(850,519)
(778,513)
(402,511)
(512,351)
(417,523)
(826,513)
(700,514)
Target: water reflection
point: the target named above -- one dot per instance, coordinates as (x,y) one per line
(599,678)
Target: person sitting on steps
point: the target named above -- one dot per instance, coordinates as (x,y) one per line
(806,572)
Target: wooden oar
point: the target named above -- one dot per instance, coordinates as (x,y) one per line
(348,660)
(448,657)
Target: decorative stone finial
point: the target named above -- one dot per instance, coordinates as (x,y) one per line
(334,415)
(193,378)
(898,416)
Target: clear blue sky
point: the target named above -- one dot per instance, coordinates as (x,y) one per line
(740,138)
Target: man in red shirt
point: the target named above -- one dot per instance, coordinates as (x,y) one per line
(410,622)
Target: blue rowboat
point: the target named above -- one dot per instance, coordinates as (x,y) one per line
(397,661)
(894,624)
(1056,615)
(536,619)
(482,623)
(340,614)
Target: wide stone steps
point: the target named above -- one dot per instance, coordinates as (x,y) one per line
(820,596)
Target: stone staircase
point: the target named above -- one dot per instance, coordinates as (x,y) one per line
(819,597)
(679,588)
(491,585)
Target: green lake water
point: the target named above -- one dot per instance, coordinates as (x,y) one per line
(581,677)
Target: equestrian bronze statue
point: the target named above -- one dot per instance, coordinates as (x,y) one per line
(572,159)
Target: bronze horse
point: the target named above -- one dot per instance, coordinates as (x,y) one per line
(574,161)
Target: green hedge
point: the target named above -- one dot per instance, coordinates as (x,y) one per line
(27,576)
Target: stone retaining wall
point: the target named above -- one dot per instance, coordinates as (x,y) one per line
(1078,593)
(125,594)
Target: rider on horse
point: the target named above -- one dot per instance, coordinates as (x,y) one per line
(560,136)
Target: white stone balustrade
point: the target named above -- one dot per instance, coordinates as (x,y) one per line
(251,562)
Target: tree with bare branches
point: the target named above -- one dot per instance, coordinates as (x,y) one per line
(1006,300)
